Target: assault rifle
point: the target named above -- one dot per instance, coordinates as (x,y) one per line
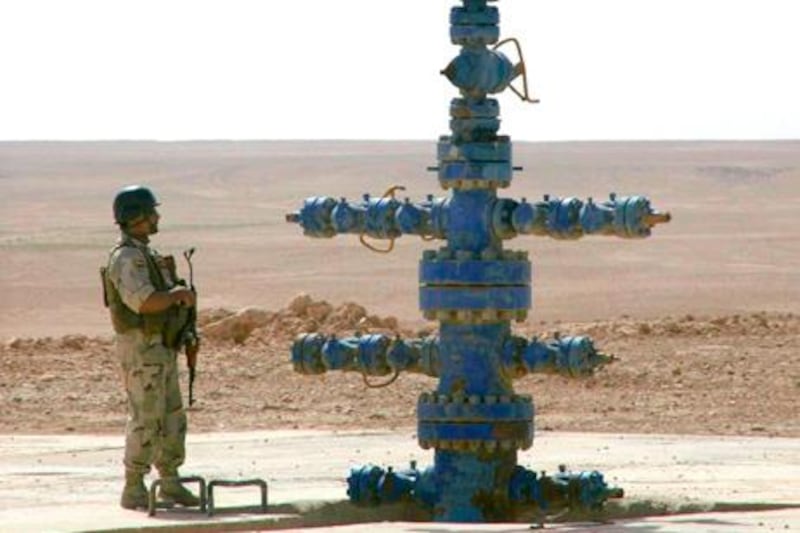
(189,337)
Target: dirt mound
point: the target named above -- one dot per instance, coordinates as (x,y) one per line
(302,315)
(758,324)
(70,343)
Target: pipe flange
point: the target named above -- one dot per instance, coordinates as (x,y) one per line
(448,254)
(464,422)
(472,316)
(490,408)
(476,446)
(474,399)
(469,184)
(496,151)
(475,287)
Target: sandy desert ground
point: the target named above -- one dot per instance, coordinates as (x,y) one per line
(704,315)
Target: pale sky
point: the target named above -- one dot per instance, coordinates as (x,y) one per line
(369,69)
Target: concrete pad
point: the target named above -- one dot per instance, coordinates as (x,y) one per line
(72,483)
(732,522)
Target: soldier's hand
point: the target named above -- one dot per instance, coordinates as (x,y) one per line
(192,350)
(183,296)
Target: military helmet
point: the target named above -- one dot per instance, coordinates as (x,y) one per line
(132,202)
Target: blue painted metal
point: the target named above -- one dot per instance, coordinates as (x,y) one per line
(371,485)
(568,356)
(371,355)
(584,490)
(473,419)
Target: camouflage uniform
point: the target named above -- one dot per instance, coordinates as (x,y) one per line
(156,429)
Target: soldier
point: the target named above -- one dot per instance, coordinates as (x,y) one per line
(148,304)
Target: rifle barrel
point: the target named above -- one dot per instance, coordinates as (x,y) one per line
(191,385)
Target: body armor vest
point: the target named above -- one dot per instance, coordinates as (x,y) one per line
(168,322)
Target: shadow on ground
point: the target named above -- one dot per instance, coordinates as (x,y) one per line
(314,514)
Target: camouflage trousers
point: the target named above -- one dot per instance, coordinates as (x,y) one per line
(156,429)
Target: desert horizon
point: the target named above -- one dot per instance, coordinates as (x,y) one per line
(731,245)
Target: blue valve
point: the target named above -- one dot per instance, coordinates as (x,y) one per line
(585,491)
(477,72)
(568,356)
(629,217)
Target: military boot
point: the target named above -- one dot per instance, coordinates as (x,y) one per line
(134,495)
(171,491)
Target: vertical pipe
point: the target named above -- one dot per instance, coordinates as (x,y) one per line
(473,488)
(470,359)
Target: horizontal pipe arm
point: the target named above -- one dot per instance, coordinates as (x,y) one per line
(379,217)
(373,355)
(629,217)
(370,485)
(585,491)
(568,356)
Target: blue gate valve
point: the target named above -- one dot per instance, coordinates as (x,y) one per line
(481,71)
(377,217)
(568,356)
(474,288)
(629,217)
(586,491)
(372,355)
(371,485)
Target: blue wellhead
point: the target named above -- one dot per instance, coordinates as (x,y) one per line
(474,288)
